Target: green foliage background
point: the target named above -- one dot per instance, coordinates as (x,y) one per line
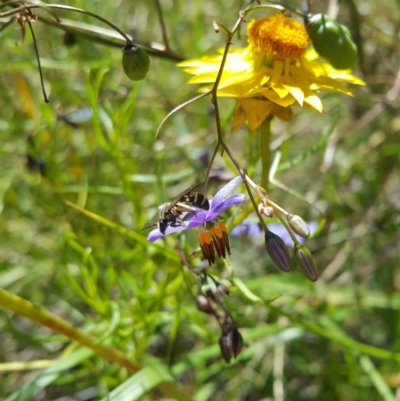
(337,339)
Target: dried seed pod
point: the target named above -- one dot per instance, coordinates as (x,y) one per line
(237,341)
(222,290)
(266,210)
(135,62)
(226,349)
(331,41)
(231,344)
(203,305)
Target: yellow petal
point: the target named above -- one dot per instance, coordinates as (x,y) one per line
(283,113)
(277,72)
(281,90)
(315,102)
(251,75)
(297,93)
(239,117)
(273,97)
(257,111)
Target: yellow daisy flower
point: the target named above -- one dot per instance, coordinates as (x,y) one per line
(274,72)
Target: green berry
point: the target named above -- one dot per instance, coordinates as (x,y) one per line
(135,62)
(332,41)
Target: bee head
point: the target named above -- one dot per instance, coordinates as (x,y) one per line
(162,225)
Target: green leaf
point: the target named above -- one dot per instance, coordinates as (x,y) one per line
(140,383)
(376,379)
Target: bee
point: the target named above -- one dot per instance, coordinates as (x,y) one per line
(195,199)
(188,201)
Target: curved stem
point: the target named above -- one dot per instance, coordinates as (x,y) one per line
(277,7)
(181,106)
(285,223)
(10,4)
(210,164)
(68,8)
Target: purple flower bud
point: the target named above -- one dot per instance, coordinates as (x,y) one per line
(277,251)
(306,262)
(298,225)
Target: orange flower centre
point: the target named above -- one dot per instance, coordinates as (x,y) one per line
(278,37)
(214,241)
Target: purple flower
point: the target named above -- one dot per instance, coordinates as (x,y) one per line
(252,229)
(218,205)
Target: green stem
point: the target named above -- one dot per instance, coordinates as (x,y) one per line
(265,151)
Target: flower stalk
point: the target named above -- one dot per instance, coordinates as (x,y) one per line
(265,151)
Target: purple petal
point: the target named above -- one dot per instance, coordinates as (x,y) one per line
(216,208)
(224,191)
(312,225)
(154,235)
(281,232)
(157,234)
(198,219)
(219,207)
(247,228)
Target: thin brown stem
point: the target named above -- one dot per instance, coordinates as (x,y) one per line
(255,206)
(162,24)
(210,164)
(181,106)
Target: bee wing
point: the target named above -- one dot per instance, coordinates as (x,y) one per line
(164,205)
(187,191)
